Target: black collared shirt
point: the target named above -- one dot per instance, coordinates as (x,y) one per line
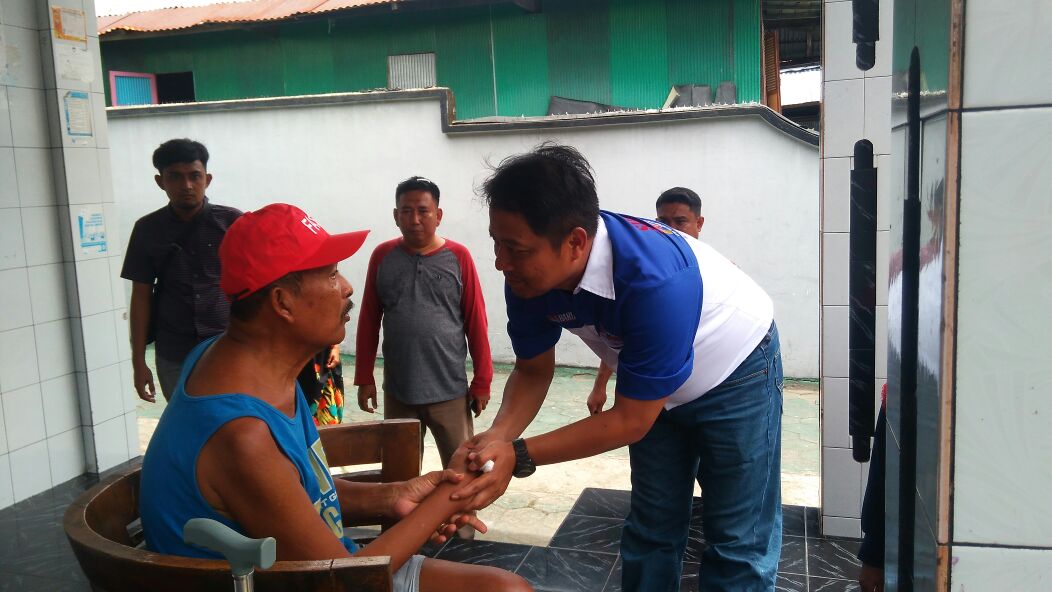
(191,306)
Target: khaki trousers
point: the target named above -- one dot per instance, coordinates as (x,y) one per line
(449,421)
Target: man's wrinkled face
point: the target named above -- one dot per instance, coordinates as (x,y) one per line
(185,183)
(531,265)
(418,217)
(323,305)
(679,216)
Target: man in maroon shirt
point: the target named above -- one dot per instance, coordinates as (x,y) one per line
(425,291)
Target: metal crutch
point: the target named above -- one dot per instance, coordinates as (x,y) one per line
(243,553)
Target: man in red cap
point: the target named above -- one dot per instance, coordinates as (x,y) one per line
(237,442)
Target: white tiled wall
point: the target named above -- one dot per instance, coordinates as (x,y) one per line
(1004,381)
(979,569)
(30,470)
(49,419)
(1003,40)
(855,105)
(14,299)
(1002,528)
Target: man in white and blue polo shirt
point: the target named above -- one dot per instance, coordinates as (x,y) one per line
(699,374)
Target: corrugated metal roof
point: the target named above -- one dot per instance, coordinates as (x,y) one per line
(331,5)
(105,21)
(788,11)
(171,19)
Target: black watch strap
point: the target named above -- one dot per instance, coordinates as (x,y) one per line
(524,466)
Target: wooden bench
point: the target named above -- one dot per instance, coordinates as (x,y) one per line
(100,526)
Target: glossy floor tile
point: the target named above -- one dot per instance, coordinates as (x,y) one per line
(507,556)
(832,558)
(602,503)
(551,570)
(588,533)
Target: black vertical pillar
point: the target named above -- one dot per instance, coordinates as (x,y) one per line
(862,269)
(911,219)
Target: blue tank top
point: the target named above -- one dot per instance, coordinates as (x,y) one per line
(169,495)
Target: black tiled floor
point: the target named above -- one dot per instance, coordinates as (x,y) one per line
(34,553)
(827,585)
(550,570)
(695,545)
(811,522)
(794,556)
(806,557)
(793,521)
(22,583)
(602,503)
(493,554)
(790,583)
(688,579)
(613,583)
(588,533)
(832,558)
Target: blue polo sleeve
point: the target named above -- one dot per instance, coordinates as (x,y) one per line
(658,327)
(530,330)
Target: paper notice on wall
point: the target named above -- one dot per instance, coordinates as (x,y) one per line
(69,24)
(91,228)
(76,110)
(73,62)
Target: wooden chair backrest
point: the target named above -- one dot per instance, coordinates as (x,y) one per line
(394,443)
(97,526)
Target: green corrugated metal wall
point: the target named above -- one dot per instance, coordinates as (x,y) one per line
(463,60)
(308,58)
(699,42)
(622,52)
(639,50)
(520,57)
(359,48)
(748,42)
(579,50)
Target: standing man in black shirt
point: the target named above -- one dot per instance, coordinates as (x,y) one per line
(172,261)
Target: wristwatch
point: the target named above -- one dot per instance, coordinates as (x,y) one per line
(524,466)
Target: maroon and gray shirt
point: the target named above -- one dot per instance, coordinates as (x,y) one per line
(433,314)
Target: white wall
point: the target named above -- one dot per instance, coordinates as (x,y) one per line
(341,163)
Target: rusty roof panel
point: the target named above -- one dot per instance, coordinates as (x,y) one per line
(171,19)
(106,22)
(331,5)
(262,10)
(163,19)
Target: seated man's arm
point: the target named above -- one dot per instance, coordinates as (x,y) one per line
(428,512)
(265,498)
(242,474)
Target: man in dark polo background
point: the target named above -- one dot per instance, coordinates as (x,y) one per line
(172,260)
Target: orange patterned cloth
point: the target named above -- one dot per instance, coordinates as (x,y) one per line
(323,388)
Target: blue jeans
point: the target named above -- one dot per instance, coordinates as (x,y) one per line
(730,441)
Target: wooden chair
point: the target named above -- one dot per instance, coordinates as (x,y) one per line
(100,526)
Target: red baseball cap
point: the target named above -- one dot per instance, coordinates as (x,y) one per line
(262,246)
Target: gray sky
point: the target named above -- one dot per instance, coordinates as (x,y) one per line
(108,7)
